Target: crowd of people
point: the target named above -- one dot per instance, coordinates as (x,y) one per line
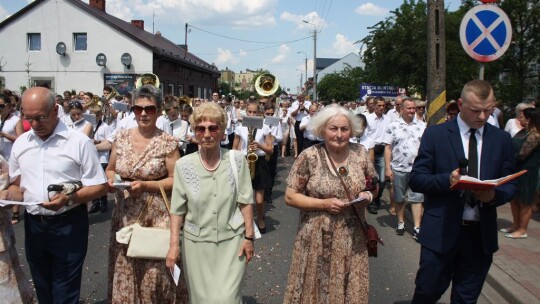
(217,169)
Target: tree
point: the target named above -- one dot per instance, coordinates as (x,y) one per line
(344,85)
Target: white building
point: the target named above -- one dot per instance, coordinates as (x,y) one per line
(63,44)
(352,60)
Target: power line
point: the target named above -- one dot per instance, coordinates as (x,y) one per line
(250,41)
(252,50)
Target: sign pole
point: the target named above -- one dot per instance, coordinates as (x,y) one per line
(481,71)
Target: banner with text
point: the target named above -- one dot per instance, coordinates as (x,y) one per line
(368,89)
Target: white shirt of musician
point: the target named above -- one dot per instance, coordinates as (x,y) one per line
(102,133)
(129,122)
(260,136)
(67,155)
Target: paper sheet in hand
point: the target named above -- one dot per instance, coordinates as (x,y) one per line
(356,200)
(120,106)
(4,203)
(271,121)
(253,122)
(122,184)
(91,118)
(175,273)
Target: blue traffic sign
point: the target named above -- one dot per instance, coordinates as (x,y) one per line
(485,32)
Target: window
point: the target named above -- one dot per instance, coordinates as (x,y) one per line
(180,90)
(79,41)
(34,42)
(47,82)
(171,89)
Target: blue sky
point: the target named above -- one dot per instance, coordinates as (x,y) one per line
(254,34)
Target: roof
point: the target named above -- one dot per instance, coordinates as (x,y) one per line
(157,43)
(323,63)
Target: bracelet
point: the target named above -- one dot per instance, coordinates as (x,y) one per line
(370,196)
(249,238)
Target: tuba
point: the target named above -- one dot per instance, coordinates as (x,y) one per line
(266,84)
(148,78)
(251,155)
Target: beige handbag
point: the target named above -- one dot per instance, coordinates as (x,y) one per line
(148,242)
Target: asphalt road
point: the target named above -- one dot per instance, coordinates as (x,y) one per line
(392,274)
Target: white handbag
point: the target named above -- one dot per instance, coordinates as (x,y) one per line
(146,242)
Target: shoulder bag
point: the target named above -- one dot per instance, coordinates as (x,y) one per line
(371,234)
(146,242)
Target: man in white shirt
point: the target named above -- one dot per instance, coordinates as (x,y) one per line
(395,112)
(56,228)
(299,110)
(377,123)
(402,139)
(309,138)
(178,126)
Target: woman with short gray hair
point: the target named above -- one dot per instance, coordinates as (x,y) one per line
(514,125)
(330,232)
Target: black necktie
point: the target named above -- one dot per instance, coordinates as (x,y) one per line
(473,160)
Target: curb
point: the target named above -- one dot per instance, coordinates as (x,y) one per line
(507,287)
(503,284)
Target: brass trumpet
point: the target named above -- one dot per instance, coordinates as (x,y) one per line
(251,155)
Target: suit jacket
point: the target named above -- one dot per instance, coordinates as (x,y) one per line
(440,150)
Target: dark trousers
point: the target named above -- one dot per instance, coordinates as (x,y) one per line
(299,137)
(272,169)
(55,251)
(465,266)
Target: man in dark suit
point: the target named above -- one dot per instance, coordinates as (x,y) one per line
(459,228)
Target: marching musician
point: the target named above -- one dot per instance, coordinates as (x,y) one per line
(260,142)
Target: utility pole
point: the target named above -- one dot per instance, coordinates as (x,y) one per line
(314,64)
(185,40)
(436,71)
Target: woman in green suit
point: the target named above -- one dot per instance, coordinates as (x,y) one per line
(218,232)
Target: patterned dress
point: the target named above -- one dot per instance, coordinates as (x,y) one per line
(330,259)
(527,183)
(133,280)
(14,287)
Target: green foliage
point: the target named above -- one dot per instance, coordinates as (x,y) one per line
(344,85)
(396,51)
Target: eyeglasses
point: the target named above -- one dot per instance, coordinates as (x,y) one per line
(37,119)
(213,129)
(421,107)
(168,109)
(215,95)
(150,110)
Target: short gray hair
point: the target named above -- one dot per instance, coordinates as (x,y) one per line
(150,92)
(320,119)
(522,106)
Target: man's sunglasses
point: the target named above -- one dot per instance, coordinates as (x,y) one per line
(213,129)
(149,110)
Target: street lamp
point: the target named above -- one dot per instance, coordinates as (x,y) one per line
(305,63)
(314,59)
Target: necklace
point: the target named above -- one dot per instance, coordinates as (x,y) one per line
(215,167)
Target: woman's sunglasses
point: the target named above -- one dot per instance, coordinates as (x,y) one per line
(213,129)
(149,110)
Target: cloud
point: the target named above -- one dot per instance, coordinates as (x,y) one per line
(3,13)
(225,56)
(370,9)
(282,55)
(344,46)
(313,18)
(235,13)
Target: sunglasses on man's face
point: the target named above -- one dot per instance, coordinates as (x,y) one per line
(3,106)
(213,129)
(149,110)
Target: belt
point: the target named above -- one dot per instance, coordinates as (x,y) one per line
(54,218)
(469,223)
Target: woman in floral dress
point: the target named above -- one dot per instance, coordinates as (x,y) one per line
(143,156)
(330,258)
(14,287)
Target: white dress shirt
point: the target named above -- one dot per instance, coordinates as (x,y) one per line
(260,137)
(67,155)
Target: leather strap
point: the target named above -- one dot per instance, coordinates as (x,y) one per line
(363,223)
(150,199)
